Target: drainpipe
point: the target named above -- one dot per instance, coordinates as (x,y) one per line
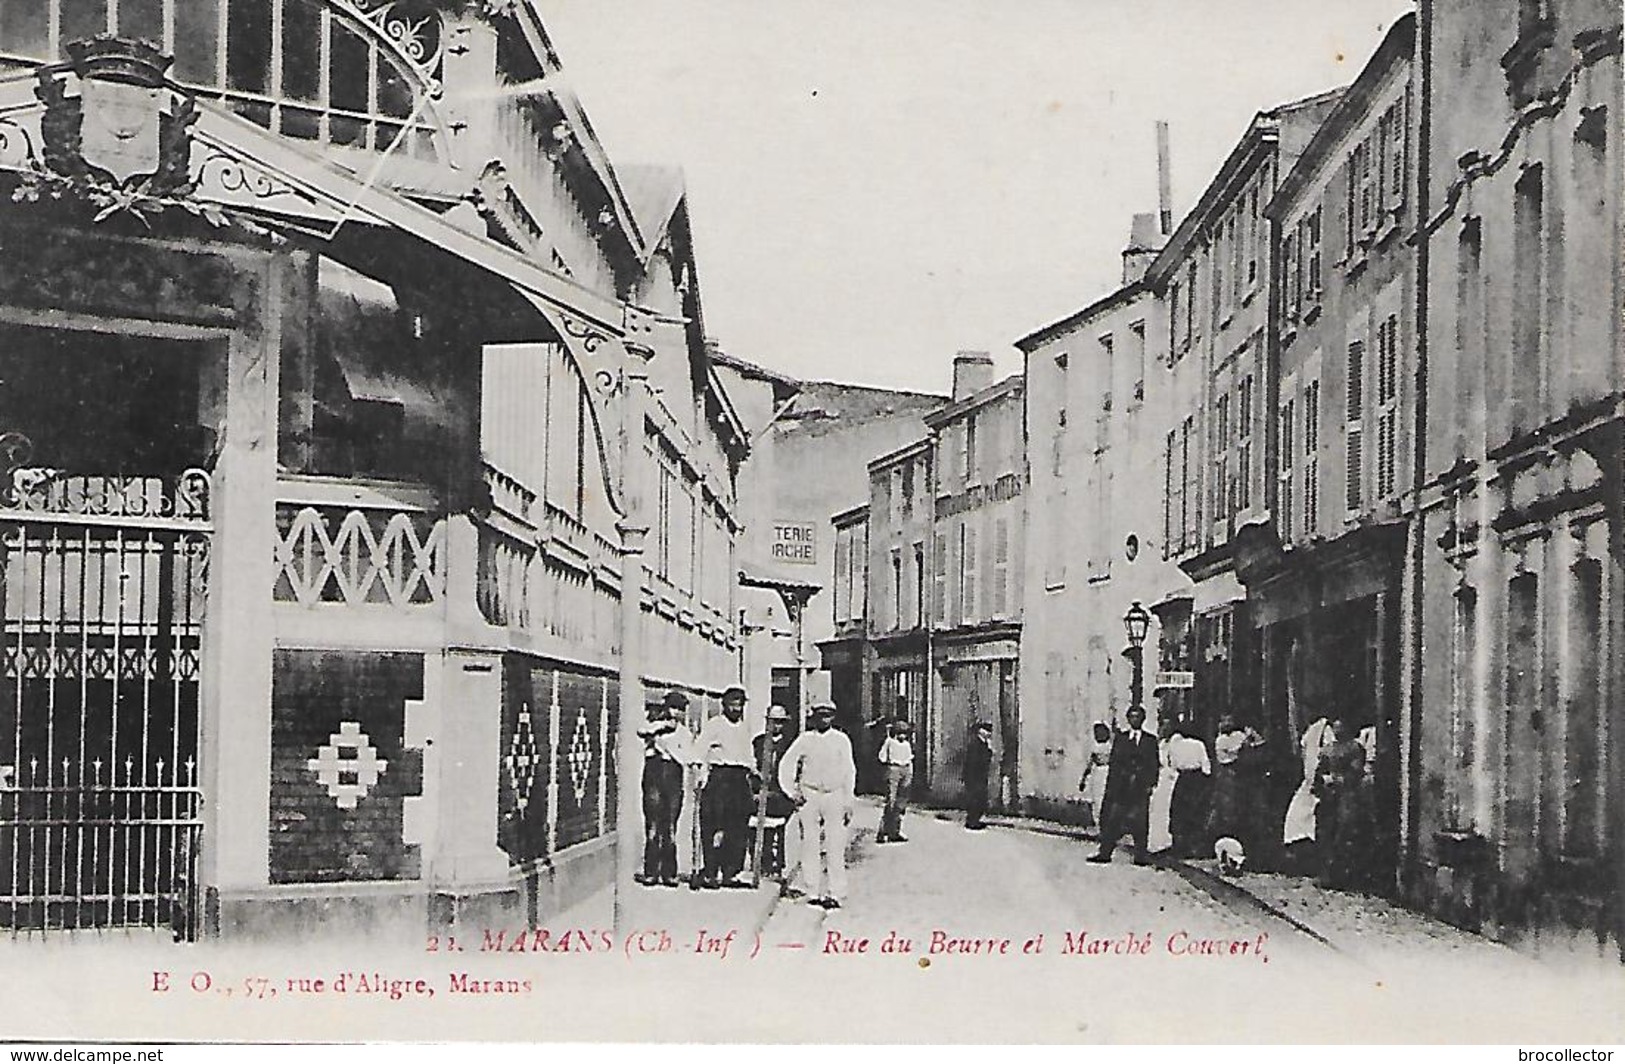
(634,531)
(1410,796)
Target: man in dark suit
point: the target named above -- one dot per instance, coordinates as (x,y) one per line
(978,762)
(1130,779)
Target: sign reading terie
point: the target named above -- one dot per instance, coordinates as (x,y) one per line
(795,542)
(1175,680)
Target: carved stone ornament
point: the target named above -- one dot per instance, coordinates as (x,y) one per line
(123,143)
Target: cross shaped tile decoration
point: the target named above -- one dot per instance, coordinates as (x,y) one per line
(347,766)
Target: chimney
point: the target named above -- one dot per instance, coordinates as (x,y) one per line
(1144,241)
(973,371)
(1165,197)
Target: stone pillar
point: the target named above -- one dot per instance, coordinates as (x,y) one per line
(239,631)
(468,757)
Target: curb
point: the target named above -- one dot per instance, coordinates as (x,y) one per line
(1218,888)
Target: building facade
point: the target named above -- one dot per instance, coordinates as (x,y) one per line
(1213,279)
(1323,576)
(898,660)
(1517,822)
(975,550)
(445,398)
(1096,410)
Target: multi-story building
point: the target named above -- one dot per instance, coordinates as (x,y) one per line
(1096,411)
(846,654)
(1213,280)
(978,454)
(811,442)
(1323,576)
(1517,824)
(898,659)
(340,384)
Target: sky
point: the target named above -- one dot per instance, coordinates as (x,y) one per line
(877,184)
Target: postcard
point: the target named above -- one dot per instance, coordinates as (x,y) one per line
(733,522)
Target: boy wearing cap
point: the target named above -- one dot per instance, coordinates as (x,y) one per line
(770,748)
(819,775)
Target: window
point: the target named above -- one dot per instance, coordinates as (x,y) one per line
(1399,152)
(908,488)
(843,576)
(919,585)
(1001,568)
(1177,339)
(895,508)
(895,606)
(1528,296)
(1287,469)
(1464,710)
(939,578)
(1311,458)
(1244,446)
(1387,405)
(1356,424)
(296,67)
(1190,304)
(1188,506)
(1582,761)
(1291,275)
(967,567)
(1311,243)
(1107,374)
(1252,239)
(1170,490)
(1219,503)
(1136,360)
(973,469)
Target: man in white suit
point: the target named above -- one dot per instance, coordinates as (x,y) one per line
(819,775)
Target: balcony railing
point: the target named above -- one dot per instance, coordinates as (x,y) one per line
(356,543)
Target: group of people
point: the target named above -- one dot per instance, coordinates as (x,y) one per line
(1167,794)
(807,783)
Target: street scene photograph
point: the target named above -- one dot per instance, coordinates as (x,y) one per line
(757,522)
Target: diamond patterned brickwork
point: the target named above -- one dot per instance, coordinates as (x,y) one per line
(339,771)
(548,786)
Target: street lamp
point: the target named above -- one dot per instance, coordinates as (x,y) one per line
(1137,622)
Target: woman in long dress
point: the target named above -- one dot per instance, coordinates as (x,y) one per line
(1093,784)
(1159,835)
(1233,803)
(1299,826)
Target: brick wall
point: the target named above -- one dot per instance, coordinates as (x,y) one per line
(336,815)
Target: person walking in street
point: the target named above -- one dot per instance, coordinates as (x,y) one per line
(897,761)
(820,776)
(770,747)
(978,762)
(667,748)
(727,760)
(1341,819)
(1093,783)
(1134,768)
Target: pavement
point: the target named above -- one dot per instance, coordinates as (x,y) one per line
(1005,935)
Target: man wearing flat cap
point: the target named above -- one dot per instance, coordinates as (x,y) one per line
(820,777)
(728,761)
(667,748)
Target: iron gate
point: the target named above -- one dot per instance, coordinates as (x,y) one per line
(103,580)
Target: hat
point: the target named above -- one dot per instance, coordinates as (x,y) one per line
(675,700)
(981,724)
(777,712)
(823,707)
(734,694)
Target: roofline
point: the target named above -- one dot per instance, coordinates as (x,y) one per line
(1033,340)
(1013,383)
(850,516)
(1262,132)
(751,369)
(1397,47)
(908,450)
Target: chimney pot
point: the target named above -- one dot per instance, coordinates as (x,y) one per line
(973,371)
